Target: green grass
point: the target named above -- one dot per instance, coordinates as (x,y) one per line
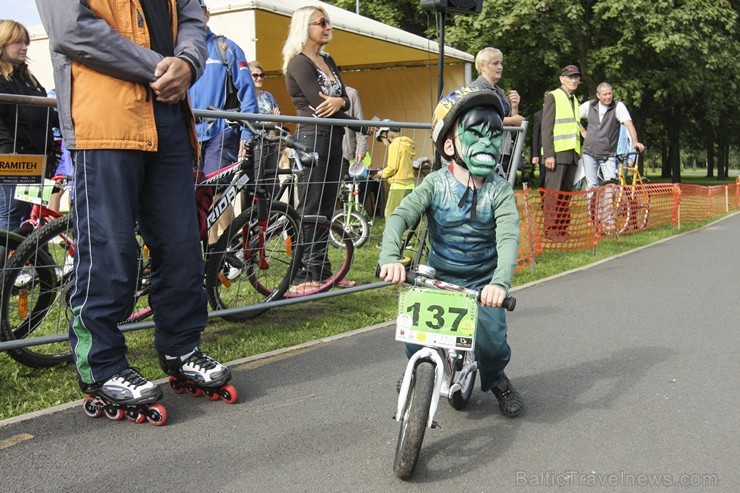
(23,389)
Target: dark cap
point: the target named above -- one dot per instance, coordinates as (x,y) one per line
(570,70)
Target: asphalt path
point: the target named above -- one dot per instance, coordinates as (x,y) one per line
(628,370)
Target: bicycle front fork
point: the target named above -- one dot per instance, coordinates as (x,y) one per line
(434,357)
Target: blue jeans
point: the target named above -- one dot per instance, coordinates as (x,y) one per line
(12,212)
(591,166)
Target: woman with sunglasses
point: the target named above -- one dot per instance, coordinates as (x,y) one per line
(265,100)
(266,154)
(316,89)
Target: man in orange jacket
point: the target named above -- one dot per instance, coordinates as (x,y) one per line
(122,71)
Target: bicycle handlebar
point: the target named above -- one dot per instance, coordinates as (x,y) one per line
(424,276)
(262,131)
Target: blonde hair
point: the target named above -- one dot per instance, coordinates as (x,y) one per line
(298,32)
(486,56)
(11,32)
(255,64)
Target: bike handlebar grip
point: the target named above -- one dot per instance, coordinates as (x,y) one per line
(291,141)
(509,303)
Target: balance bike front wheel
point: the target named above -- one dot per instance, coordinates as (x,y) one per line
(414,421)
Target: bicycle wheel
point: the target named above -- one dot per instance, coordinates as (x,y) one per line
(414,421)
(252,264)
(339,259)
(640,205)
(354,224)
(33,301)
(621,210)
(141,308)
(460,399)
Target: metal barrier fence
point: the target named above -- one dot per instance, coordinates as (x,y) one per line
(668,204)
(419,133)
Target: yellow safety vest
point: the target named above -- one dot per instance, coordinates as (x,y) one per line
(566,132)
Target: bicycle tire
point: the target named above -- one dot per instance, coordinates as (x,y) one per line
(33,282)
(138,310)
(622,211)
(265,271)
(640,205)
(339,258)
(414,421)
(460,399)
(354,224)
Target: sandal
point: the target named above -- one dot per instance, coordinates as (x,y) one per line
(304,288)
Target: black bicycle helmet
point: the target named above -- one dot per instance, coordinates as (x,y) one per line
(452,106)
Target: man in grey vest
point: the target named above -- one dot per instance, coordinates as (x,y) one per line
(604,116)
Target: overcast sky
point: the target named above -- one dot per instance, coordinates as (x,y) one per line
(23,11)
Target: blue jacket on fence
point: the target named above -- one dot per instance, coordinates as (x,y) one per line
(211,87)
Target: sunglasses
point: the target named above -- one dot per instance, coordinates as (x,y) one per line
(321,22)
(258,76)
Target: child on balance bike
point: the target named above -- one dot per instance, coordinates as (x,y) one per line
(473,227)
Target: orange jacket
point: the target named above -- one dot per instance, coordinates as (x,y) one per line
(103,92)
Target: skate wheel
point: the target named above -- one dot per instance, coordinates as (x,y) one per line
(211,394)
(156,414)
(229,394)
(176,385)
(92,408)
(193,390)
(114,413)
(135,416)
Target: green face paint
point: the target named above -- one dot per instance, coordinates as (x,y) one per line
(480,143)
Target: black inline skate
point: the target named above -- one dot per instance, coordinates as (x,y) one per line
(125,394)
(197,374)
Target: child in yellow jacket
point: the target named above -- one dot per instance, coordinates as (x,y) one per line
(399,170)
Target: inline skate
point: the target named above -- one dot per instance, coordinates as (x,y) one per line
(198,374)
(125,394)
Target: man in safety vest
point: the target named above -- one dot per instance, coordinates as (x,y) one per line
(561,144)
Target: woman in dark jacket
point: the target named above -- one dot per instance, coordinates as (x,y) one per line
(23,129)
(316,89)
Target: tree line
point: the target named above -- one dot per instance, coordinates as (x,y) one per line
(673,62)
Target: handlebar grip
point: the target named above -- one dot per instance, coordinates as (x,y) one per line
(509,304)
(291,141)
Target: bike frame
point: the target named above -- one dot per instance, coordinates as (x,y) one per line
(432,354)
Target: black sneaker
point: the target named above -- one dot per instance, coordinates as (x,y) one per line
(509,399)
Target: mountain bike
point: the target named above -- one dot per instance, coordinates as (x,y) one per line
(279,251)
(36,298)
(441,317)
(352,216)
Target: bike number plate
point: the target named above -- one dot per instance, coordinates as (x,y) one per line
(35,194)
(431,317)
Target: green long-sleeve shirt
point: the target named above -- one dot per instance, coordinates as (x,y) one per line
(485,247)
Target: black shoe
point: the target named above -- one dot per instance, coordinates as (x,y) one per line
(509,399)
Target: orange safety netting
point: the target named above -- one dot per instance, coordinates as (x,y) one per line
(554,220)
